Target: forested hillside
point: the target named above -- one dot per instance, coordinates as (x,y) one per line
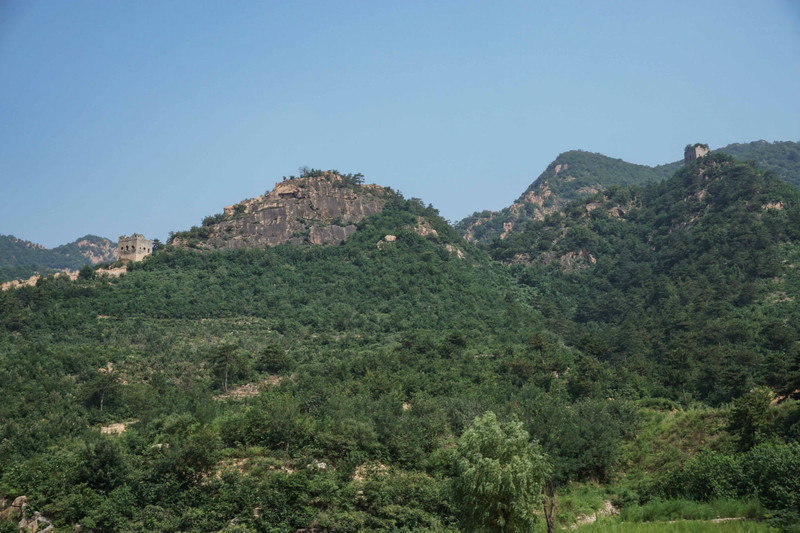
(578,174)
(370,358)
(354,387)
(21,259)
(572,175)
(783,158)
(691,280)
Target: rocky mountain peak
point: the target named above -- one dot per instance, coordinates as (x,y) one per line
(320,208)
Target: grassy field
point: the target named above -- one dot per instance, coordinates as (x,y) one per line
(683,526)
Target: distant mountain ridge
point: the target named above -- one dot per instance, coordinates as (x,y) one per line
(21,259)
(572,175)
(781,157)
(577,174)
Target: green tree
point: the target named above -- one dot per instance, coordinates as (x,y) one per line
(102,385)
(273,359)
(751,419)
(771,469)
(102,464)
(540,344)
(86,273)
(501,473)
(227,362)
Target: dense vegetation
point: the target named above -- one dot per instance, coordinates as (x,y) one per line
(572,175)
(783,158)
(21,259)
(577,174)
(378,358)
(686,283)
(587,170)
(639,337)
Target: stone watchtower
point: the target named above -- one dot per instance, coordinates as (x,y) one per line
(133,248)
(694,152)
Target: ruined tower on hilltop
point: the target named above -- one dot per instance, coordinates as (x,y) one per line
(133,248)
(694,152)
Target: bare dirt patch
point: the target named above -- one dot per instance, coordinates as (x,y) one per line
(248,390)
(117,428)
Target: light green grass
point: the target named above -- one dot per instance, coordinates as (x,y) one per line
(737,526)
(578,499)
(667,439)
(665,510)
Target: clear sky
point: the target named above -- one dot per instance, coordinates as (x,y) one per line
(146,116)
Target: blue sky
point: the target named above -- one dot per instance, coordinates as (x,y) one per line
(146,116)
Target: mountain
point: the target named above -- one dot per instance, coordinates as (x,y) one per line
(693,277)
(89,247)
(783,158)
(21,259)
(321,371)
(320,207)
(645,337)
(576,174)
(572,175)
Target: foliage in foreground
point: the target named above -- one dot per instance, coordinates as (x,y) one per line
(500,475)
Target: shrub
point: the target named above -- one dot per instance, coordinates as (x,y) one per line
(773,469)
(711,475)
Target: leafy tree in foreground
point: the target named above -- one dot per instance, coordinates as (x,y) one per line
(501,473)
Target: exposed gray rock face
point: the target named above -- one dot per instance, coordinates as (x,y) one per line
(330,234)
(320,210)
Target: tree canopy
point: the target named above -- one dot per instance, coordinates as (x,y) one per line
(500,476)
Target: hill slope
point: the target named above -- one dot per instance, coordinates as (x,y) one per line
(783,158)
(21,259)
(577,174)
(298,387)
(573,174)
(696,274)
(368,356)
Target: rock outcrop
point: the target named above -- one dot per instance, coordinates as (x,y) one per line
(320,210)
(36,523)
(21,259)
(575,174)
(98,250)
(89,249)
(14,511)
